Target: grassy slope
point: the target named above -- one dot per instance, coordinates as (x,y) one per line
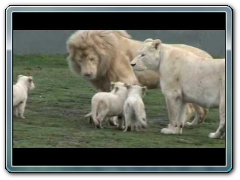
(56,108)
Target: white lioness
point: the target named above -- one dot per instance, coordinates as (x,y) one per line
(109,104)
(134,109)
(185,78)
(20,94)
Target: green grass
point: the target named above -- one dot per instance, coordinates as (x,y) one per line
(56,108)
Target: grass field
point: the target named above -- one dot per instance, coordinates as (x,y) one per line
(56,108)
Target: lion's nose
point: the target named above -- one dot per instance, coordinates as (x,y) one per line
(133,64)
(87,74)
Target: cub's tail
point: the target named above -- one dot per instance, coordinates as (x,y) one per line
(89,114)
(141,115)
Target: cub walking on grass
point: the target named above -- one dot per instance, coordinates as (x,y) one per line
(109,104)
(134,109)
(20,94)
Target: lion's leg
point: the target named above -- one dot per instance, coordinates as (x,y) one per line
(136,128)
(113,121)
(190,111)
(172,123)
(107,121)
(200,116)
(121,122)
(101,117)
(21,109)
(182,117)
(127,120)
(132,127)
(90,120)
(221,129)
(174,104)
(16,113)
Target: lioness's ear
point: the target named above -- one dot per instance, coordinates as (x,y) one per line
(20,76)
(144,89)
(149,40)
(156,43)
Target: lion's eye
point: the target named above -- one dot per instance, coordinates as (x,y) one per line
(91,59)
(142,55)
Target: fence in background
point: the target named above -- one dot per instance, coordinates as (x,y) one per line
(54,41)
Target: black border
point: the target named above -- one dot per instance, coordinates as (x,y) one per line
(119,156)
(128,20)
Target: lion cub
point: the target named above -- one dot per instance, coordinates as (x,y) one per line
(20,94)
(134,109)
(109,104)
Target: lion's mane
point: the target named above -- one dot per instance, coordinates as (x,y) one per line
(106,44)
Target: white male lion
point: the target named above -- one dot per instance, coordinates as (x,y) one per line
(185,78)
(104,56)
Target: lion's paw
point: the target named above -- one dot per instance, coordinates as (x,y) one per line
(214,135)
(191,124)
(167,131)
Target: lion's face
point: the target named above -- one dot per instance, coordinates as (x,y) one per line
(148,56)
(88,61)
(93,54)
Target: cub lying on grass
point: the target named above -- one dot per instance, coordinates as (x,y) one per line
(134,109)
(185,78)
(109,104)
(20,94)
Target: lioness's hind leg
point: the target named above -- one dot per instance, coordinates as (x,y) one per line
(221,129)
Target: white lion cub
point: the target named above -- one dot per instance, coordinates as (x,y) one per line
(109,104)
(20,94)
(134,109)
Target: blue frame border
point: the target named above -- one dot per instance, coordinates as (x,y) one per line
(8,89)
